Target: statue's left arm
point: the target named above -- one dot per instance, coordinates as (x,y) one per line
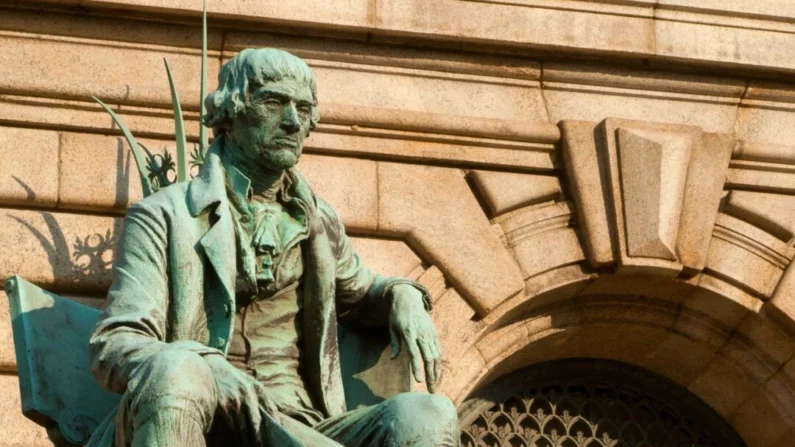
(371,300)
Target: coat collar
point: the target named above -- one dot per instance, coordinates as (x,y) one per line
(208,188)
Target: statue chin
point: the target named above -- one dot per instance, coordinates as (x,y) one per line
(280,159)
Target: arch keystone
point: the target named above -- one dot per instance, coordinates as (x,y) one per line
(647,194)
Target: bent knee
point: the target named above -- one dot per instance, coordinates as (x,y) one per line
(423,419)
(175,378)
(416,408)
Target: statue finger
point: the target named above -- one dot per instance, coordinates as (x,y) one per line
(395,342)
(429,362)
(414,354)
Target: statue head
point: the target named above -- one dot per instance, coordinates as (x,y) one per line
(264,107)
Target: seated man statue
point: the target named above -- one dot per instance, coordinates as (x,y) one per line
(221,323)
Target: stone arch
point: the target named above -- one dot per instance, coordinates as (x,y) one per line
(654,255)
(745,373)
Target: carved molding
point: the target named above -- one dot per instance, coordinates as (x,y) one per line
(646,194)
(435,210)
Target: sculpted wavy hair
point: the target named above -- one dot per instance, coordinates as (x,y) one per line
(246,72)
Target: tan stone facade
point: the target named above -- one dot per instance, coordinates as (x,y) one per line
(571,179)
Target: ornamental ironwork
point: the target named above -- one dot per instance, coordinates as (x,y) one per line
(590,403)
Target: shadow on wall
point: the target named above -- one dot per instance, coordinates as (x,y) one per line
(90,257)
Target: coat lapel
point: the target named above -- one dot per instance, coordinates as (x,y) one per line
(320,319)
(207,193)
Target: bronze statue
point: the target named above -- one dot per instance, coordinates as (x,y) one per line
(221,322)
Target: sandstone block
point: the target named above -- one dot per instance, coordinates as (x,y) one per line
(433,280)
(679,34)
(679,358)
(774,213)
(548,289)
(502,343)
(623,342)
(646,286)
(99,173)
(758,421)
(28,167)
(771,8)
(768,338)
(520,24)
(648,80)
(349,185)
(722,386)
(18,431)
(701,329)
(68,252)
(421,203)
(505,191)
(721,301)
(782,392)
(342,13)
(429,92)
(456,325)
(386,256)
(120,72)
(547,251)
(759,178)
(8,360)
(587,189)
(758,269)
(459,378)
(594,103)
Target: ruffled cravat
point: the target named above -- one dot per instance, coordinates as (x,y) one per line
(266,242)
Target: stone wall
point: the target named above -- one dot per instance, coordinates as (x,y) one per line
(571,179)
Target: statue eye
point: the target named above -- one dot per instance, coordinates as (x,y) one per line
(304,110)
(272,103)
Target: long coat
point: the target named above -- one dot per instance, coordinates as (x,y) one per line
(174,280)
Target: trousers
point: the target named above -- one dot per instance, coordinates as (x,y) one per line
(173,403)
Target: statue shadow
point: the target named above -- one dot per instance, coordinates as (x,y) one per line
(369,374)
(86,261)
(81,265)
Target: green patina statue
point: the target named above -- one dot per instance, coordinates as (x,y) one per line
(221,327)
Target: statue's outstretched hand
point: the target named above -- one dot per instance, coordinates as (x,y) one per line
(241,399)
(411,325)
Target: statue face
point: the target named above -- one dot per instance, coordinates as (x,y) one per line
(271,131)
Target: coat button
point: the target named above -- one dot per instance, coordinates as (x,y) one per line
(220,342)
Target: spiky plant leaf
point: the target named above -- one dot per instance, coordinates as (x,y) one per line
(140,160)
(204,141)
(179,129)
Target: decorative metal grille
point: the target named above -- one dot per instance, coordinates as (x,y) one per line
(605,405)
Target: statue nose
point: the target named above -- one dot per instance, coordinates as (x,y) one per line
(290,122)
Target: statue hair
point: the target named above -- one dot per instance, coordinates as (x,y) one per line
(246,71)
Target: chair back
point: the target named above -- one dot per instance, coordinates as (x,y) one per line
(51,344)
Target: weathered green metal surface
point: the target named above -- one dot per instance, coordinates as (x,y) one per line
(50,340)
(222,320)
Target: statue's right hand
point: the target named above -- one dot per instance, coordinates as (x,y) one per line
(241,399)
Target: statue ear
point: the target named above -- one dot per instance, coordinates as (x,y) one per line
(315,117)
